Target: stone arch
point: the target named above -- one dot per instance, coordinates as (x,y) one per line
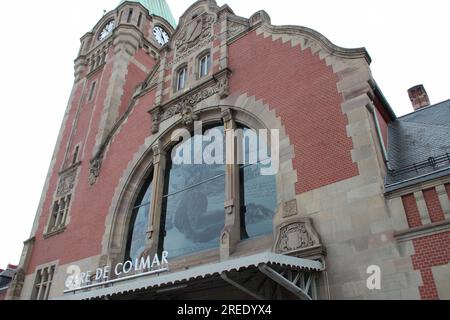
(247,111)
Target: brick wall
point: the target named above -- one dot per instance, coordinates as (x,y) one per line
(91,203)
(430,252)
(433,205)
(412,211)
(3,295)
(447,187)
(303,91)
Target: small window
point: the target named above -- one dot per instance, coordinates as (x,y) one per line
(75,154)
(91,91)
(59,214)
(181,78)
(139,20)
(130,15)
(204,65)
(43,283)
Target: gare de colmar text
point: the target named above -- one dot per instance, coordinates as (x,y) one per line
(78,279)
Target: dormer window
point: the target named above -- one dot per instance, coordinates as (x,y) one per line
(181,78)
(204,65)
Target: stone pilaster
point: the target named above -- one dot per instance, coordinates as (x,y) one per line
(155,213)
(231,235)
(443,199)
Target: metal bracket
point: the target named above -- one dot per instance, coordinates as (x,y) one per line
(300,283)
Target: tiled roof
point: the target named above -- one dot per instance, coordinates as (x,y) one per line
(419,144)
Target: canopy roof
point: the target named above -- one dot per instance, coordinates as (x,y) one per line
(162,280)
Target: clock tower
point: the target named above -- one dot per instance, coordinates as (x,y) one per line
(113,59)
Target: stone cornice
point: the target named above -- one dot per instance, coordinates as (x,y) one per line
(71,168)
(185,103)
(417,185)
(423,231)
(333,49)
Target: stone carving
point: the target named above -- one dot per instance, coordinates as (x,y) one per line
(234,29)
(66,183)
(290,208)
(225,238)
(194,35)
(94,170)
(186,105)
(15,289)
(296,236)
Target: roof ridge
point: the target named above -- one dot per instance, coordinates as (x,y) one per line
(427,124)
(423,109)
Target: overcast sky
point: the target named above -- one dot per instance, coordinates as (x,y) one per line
(407,40)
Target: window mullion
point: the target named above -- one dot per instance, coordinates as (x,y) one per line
(231,235)
(155,211)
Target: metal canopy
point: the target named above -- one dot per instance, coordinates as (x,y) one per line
(293,274)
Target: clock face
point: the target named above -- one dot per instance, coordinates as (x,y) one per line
(161,35)
(107,30)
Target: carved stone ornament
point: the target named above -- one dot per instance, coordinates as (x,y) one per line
(234,29)
(66,183)
(185,105)
(15,288)
(94,170)
(195,34)
(297,236)
(290,209)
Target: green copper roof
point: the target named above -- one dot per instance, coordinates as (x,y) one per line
(157,8)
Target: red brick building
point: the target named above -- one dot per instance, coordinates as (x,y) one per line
(357,187)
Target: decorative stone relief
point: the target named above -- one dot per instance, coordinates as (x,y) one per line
(297,236)
(225,238)
(235,28)
(66,183)
(290,209)
(94,170)
(185,105)
(195,34)
(15,289)
(259,17)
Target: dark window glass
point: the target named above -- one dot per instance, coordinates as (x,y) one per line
(75,155)
(91,92)
(193,215)
(137,234)
(181,79)
(258,192)
(140,19)
(130,15)
(204,65)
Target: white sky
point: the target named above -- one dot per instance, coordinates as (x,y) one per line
(407,40)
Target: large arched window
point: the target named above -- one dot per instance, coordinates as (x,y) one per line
(137,234)
(193,207)
(192,212)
